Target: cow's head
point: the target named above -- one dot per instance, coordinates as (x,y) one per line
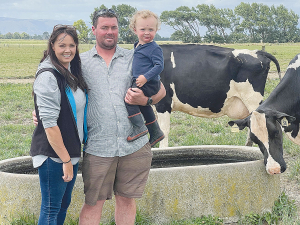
(266,131)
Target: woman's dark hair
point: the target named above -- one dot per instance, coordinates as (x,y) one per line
(73,79)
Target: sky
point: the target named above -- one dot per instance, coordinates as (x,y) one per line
(73,10)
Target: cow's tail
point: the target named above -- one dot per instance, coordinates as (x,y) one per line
(271,57)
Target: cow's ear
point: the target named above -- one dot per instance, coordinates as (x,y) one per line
(240,123)
(283,118)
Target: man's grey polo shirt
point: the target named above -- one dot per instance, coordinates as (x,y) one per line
(107,117)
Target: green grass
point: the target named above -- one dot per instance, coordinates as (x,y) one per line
(16,105)
(20,60)
(23,219)
(189,130)
(283,212)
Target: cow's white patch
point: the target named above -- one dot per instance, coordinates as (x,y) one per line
(164,124)
(272,166)
(236,52)
(244,92)
(241,100)
(173,60)
(295,65)
(259,129)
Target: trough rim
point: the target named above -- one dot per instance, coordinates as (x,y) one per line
(254,151)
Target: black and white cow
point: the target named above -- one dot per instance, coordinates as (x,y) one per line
(210,81)
(281,110)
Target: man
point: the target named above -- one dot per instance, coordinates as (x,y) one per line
(111,163)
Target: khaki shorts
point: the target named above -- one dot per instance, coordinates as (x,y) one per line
(126,176)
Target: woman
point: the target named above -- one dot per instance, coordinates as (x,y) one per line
(60,103)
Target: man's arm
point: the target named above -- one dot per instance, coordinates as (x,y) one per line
(135,96)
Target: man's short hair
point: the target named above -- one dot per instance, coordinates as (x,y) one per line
(103,13)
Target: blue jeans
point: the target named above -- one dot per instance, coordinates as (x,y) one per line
(56,194)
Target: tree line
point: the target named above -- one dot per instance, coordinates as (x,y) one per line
(205,23)
(246,23)
(24,35)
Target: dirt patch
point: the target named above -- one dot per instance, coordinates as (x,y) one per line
(271,75)
(17,81)
(275,75)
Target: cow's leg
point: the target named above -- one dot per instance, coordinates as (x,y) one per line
(164,123)
(249,142)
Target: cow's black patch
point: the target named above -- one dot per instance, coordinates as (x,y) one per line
(203,73)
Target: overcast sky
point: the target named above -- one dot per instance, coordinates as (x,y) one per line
(73,10)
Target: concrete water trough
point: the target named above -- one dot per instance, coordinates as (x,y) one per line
(184,182)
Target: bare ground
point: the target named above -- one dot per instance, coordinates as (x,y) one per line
(271,75)
(17,81)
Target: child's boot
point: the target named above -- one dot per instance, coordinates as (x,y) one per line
(156,134)
(139,128)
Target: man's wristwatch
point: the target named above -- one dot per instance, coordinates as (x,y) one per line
(149,101)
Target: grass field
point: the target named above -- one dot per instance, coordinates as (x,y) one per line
(19,59)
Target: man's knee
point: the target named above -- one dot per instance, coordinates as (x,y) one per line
(124,200)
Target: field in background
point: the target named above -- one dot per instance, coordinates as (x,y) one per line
(20,58)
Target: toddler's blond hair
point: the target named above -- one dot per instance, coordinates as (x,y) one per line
(144,14)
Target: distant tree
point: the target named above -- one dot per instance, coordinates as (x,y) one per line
(37,37)
(185,22)
(216,22)
(236,31)
(25,36)
(125,12)
(96,9)
(268,24)
(46,36)
(257,20)
(160,38)
(16,35)
(185,35)
(285,25)
(82,30)
(8,35)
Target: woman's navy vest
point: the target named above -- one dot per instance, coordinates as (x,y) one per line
(66,123)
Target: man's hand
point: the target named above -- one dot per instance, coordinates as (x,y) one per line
(34,118)
(135,96)
(140,81)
